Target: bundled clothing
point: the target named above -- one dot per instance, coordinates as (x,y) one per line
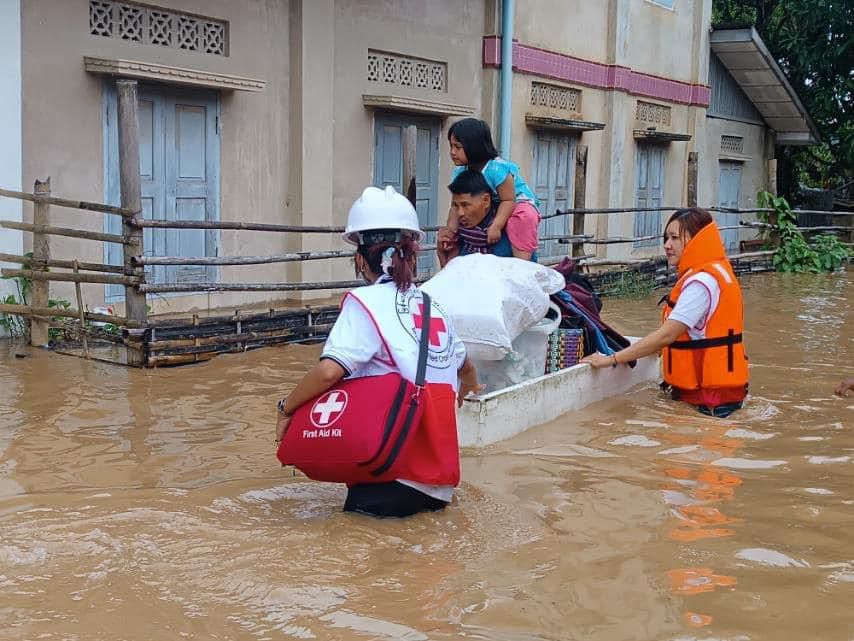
(581,306)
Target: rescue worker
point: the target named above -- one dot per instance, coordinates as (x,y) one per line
(377,333)
(703,360)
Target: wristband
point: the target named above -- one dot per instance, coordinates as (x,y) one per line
(281,407)
(614,359)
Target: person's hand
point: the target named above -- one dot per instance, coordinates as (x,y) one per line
(493,234)
(844,387)
(468,385)
(446,239)
(598,361)
(282,423)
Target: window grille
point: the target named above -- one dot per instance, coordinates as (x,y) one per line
(653,114)
(157,26)
(555,97)
(406,71)
(732,144)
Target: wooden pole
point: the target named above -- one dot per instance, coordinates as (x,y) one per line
(131,188)
(63,277)
(772,176)
(410,144)
(65,202)
(48,230)
(235,225)
(579,197)
(82,311)
(47,312)
(248,287)
(692,178)
(40,293)
(67,264)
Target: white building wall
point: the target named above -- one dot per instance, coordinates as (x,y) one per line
(11,241)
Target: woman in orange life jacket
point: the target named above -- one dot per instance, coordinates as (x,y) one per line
(702,350)
(375,334)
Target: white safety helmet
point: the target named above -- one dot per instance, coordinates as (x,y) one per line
(381,209)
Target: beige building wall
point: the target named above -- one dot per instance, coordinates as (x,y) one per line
(63,128)
(448,31)
(302,149)
(753,160)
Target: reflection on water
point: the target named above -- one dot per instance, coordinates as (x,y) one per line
(148,504)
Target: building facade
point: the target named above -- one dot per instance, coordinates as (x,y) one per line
(281,111)
(11,241)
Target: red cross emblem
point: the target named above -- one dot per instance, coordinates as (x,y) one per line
(437,326)
(329,408)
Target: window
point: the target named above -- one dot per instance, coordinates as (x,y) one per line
(668,4)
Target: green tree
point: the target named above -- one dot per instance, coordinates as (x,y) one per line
(812,41)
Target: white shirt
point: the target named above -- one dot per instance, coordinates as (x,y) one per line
(697,301)
(355,344)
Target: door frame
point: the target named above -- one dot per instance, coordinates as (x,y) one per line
(573,139)
(427,262)
(729,219)
(640,147)
(112,190)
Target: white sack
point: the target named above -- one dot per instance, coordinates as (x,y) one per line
(492,300)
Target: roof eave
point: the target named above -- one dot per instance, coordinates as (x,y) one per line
(751,36)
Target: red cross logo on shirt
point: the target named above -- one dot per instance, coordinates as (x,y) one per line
(437,326)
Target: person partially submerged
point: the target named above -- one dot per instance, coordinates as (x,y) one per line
(703,360)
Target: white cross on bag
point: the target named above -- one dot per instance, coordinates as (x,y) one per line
(330,406)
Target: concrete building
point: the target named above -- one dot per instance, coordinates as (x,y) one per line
(281,111)
(11,242)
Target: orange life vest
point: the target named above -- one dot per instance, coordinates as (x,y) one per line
(718,361)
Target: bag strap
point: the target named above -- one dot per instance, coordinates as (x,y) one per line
(424,345)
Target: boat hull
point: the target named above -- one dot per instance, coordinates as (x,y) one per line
(502,414)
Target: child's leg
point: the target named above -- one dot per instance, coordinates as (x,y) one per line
(523,228)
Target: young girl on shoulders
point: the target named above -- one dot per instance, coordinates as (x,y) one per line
(471,147)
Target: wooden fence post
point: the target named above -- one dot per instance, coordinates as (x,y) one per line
(579,197)
(40,293)
(410,143)
(692,178)
(772,176)
(129,179)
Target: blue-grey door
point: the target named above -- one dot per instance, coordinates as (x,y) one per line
(729,195)
(650,191)
(179,169)
(388,169)
(554,170)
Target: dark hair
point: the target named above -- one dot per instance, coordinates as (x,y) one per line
(470,182)
(476,139)
(691,221)
(374,243)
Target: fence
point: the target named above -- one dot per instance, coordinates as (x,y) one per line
(154,342)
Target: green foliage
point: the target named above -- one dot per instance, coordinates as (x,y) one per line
(811,39)
(16,325)
(631,284)
(794,253)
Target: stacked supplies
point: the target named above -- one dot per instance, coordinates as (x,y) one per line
(565,349)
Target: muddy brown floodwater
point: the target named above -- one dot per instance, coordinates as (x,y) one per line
(147,505)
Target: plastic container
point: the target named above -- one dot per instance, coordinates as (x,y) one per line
(526,361)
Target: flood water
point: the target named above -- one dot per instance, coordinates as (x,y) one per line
(147,505)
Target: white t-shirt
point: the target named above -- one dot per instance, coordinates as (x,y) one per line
(697,301)
(355,344)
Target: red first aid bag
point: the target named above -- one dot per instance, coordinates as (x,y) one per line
(358,431)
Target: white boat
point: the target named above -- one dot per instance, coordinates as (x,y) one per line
(499,415)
